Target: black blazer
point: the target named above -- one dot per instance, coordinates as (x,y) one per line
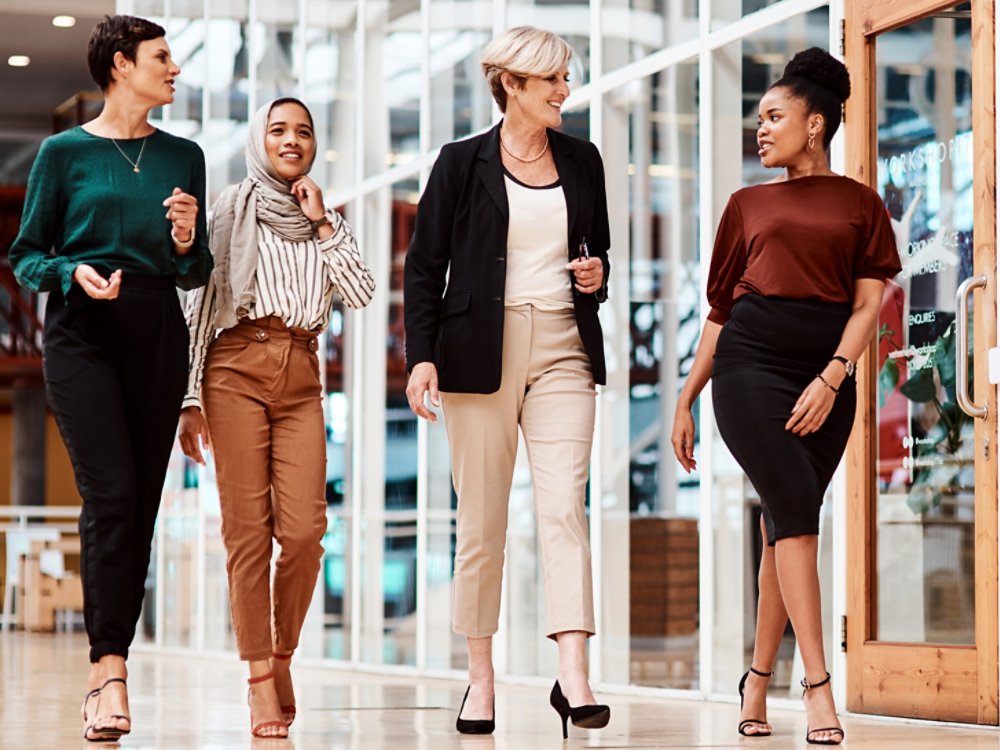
(461,235)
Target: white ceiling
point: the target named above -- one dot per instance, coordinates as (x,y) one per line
(58,66)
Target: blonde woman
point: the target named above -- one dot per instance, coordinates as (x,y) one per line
(254,389)
(516,221)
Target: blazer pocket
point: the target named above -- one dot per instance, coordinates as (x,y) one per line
(455,304)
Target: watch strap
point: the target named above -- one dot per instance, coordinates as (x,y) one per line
(319,222)
(848,364)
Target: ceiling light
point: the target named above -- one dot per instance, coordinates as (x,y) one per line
(64,22)
(18,61)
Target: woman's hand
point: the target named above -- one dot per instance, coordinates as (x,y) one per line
(588,273)
(812,408)
(310,198)
(682,438)
(182,211)
(192,426)
(95,285)
(423,380)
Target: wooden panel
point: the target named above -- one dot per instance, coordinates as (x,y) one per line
(985,337)
(904,679)
(879,16)
(935,682)
(860,456)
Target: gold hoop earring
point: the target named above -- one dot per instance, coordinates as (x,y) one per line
(812,142)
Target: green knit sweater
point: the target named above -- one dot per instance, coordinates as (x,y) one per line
(85,204)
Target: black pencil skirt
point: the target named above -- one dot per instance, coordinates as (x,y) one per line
(767,353)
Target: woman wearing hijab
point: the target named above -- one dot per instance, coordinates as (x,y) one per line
(280,256)
(111,228)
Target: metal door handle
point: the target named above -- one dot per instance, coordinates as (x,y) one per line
(962,346)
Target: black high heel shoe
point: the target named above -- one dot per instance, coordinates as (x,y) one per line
(592,716)
(810,732)
(752,722)
(475,726)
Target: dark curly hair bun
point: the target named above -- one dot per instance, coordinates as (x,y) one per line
(822,82)
(822,68)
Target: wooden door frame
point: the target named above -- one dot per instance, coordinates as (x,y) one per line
(915,679)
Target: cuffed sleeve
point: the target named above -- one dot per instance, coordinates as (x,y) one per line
(31,256)
(345,267)
(729,262)
(193,269)
(200,314)
(877,256)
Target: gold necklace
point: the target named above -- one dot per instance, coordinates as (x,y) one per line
(135,164)
(526,161)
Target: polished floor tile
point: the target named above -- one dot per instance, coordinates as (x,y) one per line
(184,703)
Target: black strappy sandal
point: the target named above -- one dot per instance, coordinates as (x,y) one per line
(105,734)
(752,722)
(809,732)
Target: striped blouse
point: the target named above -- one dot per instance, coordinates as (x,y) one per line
(294,281)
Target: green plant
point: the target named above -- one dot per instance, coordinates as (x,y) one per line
(938,465)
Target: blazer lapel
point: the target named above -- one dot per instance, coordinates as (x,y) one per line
(490,170)
(567,168)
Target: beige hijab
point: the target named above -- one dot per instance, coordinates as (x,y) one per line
(263,197)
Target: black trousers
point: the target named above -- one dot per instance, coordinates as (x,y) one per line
(116,372)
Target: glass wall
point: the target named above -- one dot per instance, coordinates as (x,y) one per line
(668,90)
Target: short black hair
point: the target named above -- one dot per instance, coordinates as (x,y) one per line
(291,100)
(117,34)
(822,82)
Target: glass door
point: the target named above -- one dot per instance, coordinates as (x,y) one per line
(922,524)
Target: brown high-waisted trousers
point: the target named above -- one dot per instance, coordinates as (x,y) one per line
(263,403)
(548,391)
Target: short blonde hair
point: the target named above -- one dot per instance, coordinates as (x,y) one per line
(522,52)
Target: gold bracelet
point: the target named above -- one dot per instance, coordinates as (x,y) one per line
(178,243)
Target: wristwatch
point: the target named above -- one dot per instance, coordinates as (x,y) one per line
(319,222)
(848,365)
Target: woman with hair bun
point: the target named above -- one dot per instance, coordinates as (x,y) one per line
(795,286)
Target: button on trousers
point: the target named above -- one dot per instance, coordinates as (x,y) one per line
(263,403)
(547,390)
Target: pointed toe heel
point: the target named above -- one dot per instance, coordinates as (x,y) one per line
(475,726)
(591,716)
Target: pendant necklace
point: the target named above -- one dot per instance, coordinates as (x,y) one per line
(135,164)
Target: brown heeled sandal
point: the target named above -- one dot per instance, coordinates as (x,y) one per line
(257,729)
(810,732)
(288,712)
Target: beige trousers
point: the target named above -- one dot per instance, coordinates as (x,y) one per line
(262,398)
(546,389)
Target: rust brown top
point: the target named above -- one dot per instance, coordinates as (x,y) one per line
(807,238)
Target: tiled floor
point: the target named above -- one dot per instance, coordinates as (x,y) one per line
(181,703)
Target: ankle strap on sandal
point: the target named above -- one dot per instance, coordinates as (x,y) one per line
(761,674)
(806,685)
(262,678)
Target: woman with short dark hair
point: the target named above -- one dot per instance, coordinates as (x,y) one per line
(111,228)
(795,286)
